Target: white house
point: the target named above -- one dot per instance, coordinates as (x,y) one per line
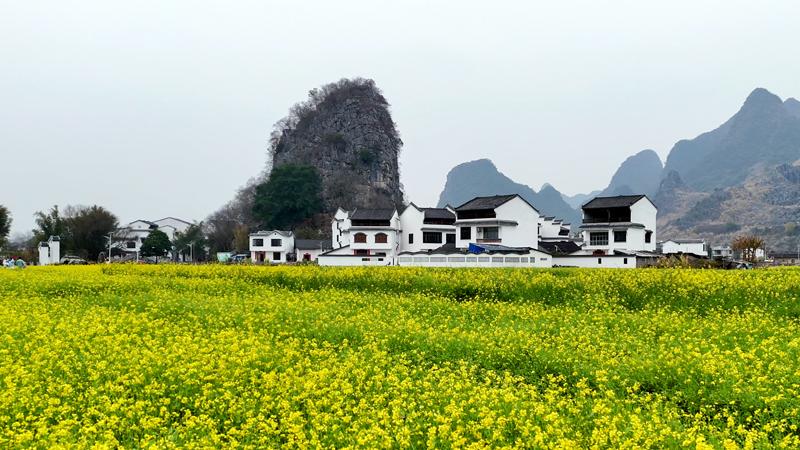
(623,222)
(50,251)
(137,231)
(363,237)
(695,247)
(495,231)
(426,228)
(724,252)
(271,246)
(618,231)
(506,220)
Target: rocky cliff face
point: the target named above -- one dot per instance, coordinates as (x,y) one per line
(346,132)
(763,133)
(738,178)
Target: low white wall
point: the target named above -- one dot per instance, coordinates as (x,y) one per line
(616,262)
(461,260)
(348,260)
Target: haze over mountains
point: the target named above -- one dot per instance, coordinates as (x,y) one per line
(741,177)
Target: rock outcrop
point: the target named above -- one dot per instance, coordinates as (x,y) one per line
(346,132)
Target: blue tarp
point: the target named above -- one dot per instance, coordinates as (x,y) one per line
(473,248)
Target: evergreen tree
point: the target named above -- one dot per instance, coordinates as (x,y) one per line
(291,195)
(156,244)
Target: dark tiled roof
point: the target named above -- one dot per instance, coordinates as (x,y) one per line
(438,213)
(479,203)
(372,214)
(312,244)
(560,247)
(619,201)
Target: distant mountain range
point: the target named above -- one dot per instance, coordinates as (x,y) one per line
(481,177)
(742,177)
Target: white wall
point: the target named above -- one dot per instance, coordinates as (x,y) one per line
(412,222)
(533,259)
(634,240)
(617,262)
(340,236)
(670,247)
(644,212)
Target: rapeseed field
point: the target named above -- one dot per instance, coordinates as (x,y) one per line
(264,357)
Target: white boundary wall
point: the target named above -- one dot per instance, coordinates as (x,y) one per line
(535,259)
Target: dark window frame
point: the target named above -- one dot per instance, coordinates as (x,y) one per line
(360,238)
(466,232)
(431,237)
(272,242)
(624,234)
(381,238)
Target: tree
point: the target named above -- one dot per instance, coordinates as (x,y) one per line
(49,224)
(241,239)
(191,242)
(220,226)
(5,225)
(88,228)
(748,246)
(291,195)
(156,244)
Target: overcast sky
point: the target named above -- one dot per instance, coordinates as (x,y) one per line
(164,108)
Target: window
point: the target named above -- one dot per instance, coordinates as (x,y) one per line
(360,238)
(361,252)
(492,233)
(275,242)
(451,238)
(276,256)
(130,244)
(598,238)
(466,232)
(431,237)
(648,235)
(599,260)
(258,242)
(410,238)
(624,260)
(620,236)
(381,238)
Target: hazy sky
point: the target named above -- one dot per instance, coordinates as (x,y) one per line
(164,108)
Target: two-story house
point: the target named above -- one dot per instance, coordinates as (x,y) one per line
(493,231)
(618,231)
(623,222)
(363,237)
(426,228)
(506,220)
(130,237)
(273,246)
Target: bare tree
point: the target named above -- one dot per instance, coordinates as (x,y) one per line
(748,245)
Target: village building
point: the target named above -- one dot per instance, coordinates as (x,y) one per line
(494,231)
(130,237)
(364,237)
(721,252)
(618,231)
(424,229)
(696,247)
(273,246)
(307,250)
